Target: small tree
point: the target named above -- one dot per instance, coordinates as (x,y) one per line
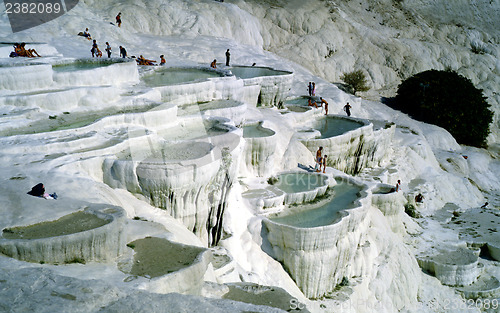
(449,100)
(356,80)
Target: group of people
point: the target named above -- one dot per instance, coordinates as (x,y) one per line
(323,104)
(21,51)
(96,52)
(141,60)
(228,59)
(320,160)
(311,89)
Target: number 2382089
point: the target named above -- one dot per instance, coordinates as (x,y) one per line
(32,8)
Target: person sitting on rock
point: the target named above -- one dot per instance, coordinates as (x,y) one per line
(23,52)
(86,34)
(39,191)
(143,61)
(312,103)
(213,64)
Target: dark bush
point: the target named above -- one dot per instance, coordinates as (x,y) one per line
(449,100)
(356,80)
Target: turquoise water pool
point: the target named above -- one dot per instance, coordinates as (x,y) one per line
(343,195)
(254,71)
(332,126)
(256,131)
(174,76)
(299,182)
(79,66)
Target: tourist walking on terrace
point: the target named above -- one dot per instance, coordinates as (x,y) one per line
(94,48)
(347,109)
(119,19)
(228,57)
(309,88)
(108,49)
(123,52)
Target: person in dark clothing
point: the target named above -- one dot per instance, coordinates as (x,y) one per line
(123,52)
(347,109)
(228,57)
(38,190)
(94,49)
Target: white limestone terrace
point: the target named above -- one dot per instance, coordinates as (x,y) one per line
(350,144)
(317,242)
(383,274)
(457,267)
(274,84)
(259,149)
(93,234)
(302,187)
(172,267)
(391,204)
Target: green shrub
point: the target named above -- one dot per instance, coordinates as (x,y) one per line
(412,211)
(356,80)
(449,100)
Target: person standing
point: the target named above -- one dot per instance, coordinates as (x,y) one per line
(398,186)
(228,57)
(309,88)
(323,102)
(324,163)
(94,48)
(119,19)
(313,92)
(319,159)
(347,109)
(108,49)
(123,52)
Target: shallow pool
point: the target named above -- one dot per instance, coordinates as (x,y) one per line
(298,109)
(167,152)
(256,131)
(332,126)
(204,106)
(300,182)
(66,225)
(196,129)
(342,196)
(254,71)
(174,76)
